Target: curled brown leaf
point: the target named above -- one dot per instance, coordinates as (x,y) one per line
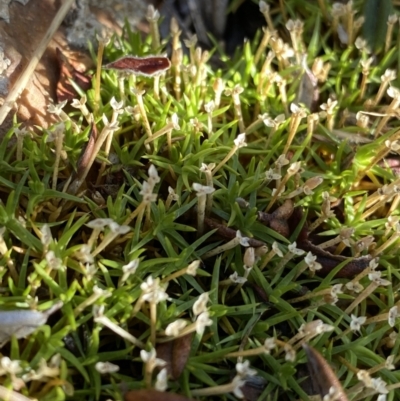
(322,376)
(176,354)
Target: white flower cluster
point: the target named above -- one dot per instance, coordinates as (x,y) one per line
(201,316)
(148,186)
(19,376)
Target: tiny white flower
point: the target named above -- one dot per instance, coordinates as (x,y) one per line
(153,174)
(106,367)
(152,14)
(276,122)
(393,92)
(153,291)
(174,196)
(56,109)
(118,229)
(364,376)
(243,369)
(388,75)
(210,106)
(294,108)
(207,167)
(192,268)
(116,106)
(235,278)
(281,161)
(100,292)
(202,321)
(269,344)
(389,362)
(110,126)
(52,261)
(293,249)
(356,287)
(78,104)
(315,327)
(393,314)
(357,322)
(294,168)
(99,223)
(129,269)
(174,328)
(147,192)
(290,353)
(191,41)
(238,382)
(276,249)
(150,358)
(21,132)
(10,366)
(244,241)
(162,380)
(264,7)
(58,133)
(362,45)
(380,386)
(272,175)
(97,311)
(336,289)
(240,141)
(202,190)
(200,304)
(311,261)
(329,105)
(375,277)
(46,237)
(333,395)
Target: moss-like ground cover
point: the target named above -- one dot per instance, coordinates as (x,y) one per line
(224,212)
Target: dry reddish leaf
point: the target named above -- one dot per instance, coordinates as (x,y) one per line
(176,354)
(322,375)
(330,261)
(327,260)
(180,354)
(154,395)
(147,66)
(70,71)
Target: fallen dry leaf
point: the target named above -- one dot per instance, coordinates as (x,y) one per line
(322,376)
(148,66)
(154,395)
(176,354)
(69,71)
